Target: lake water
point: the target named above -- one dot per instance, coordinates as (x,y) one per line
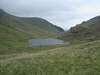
(48,41)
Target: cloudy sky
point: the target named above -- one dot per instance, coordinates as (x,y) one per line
(64,13)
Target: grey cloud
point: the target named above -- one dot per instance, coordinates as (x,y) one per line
(65,13)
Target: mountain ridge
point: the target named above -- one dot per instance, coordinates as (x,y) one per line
(18,29)
(87,30)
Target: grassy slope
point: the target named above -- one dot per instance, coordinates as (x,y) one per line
(10,37)
(80,59)
(88,31)
(36,26)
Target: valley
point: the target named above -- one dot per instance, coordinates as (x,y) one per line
(52,50)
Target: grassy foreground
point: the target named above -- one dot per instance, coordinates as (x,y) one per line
(83,59)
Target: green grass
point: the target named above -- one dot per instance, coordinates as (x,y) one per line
(10,37)
(80,59)
(26,49)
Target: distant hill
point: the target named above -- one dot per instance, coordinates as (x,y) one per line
(14,28)
(87,30)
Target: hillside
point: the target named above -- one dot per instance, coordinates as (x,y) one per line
(19,29)
(80,59)
(87,30)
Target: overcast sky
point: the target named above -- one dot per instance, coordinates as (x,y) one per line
(64,13)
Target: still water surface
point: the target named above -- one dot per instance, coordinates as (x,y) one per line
(48,41)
